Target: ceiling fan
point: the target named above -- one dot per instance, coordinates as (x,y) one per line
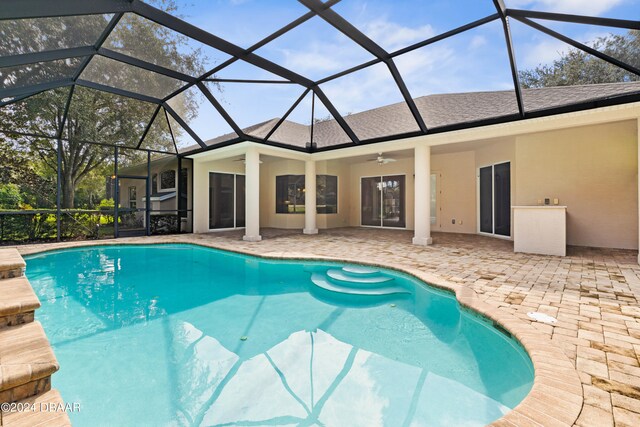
(381,160)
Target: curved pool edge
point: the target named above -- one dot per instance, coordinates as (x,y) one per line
(556,397)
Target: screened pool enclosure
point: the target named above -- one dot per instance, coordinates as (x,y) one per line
(103,103)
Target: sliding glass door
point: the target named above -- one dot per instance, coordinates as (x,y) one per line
(383,201)
(495,199)
(226,200)
(371,201)
(240,201)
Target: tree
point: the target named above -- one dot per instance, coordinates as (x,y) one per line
(92,189)
(10,197)
(576,67)
(93,115)
(37,188)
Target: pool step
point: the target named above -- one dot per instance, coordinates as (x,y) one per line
(11,263)
(323,282)
(26,362)
(26,358)
(341,278)
(360,271)
(18,303)
(45,409)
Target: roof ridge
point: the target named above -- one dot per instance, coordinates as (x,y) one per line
(637,82)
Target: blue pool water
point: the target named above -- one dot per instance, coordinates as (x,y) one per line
(185,335)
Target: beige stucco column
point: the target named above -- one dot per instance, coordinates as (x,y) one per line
(252,195)
(422,228)
(310,225)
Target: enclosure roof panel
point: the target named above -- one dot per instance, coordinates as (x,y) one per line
(445,109)
(334,72)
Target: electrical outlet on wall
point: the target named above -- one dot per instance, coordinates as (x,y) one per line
(453,221)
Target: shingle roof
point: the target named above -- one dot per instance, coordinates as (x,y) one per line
(540,99)
(436,110)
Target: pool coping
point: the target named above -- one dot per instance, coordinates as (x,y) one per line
(556,397)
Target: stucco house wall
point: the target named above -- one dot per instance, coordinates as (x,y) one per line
(345,196)
(456,198)
(592,169)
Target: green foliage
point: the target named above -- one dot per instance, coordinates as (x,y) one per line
(18,167)
(27,227)
(93,115)
(93,188)
(577,67)
(39,227)
(10,197)
(106,204)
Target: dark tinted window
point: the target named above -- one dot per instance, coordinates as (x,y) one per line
(168,180)
(221,200)
(290,194)
(502,198)
(486,194)
(327,194)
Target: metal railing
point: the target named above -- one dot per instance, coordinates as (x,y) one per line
(40,225)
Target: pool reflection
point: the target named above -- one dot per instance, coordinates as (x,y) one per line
(152,336)
(313,378)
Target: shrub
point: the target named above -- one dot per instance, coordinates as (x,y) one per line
(165,224)
(106,204)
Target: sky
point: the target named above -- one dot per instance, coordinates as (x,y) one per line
(472,61)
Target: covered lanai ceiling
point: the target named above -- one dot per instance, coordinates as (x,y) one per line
(196,93)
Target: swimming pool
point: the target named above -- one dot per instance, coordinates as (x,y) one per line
(187,335)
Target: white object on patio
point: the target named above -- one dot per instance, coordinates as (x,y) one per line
(541,317)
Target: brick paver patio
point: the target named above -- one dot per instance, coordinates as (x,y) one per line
(593,293)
